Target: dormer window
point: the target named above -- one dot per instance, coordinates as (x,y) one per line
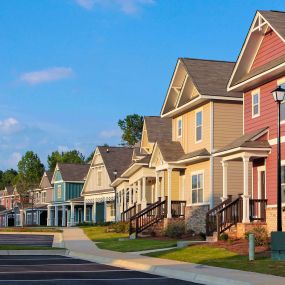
(179,127)
(255,104)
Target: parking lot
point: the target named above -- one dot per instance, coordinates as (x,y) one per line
(61,270)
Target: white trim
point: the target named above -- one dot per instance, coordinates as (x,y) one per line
(181,90)
(238,149)
(197,204)
(200,110)
(259,170)
(274,141)
(179,119)
(253,94)
(197,172)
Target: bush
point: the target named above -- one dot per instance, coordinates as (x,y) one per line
(202,235)
(175,230)
(119,227)
(260,235)
(224,237)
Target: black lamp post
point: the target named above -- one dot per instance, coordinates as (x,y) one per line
(278,95)
(115,172)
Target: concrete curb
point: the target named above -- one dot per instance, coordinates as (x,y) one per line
(35,252)
(160,270)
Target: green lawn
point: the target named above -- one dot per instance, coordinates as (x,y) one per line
(26,247)
(34,229)
(109,240)
(219,257)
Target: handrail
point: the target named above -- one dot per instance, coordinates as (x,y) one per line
(257,209)
(211,219)
(127,214)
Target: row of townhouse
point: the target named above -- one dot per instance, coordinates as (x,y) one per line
(209,159)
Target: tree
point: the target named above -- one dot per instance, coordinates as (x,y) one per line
(132,127)
(7,177)
(72,156)
(90,157)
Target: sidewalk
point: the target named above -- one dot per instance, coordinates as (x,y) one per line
(80,246)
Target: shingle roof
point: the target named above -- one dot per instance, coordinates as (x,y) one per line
(247,140)
(276,20)
(10,189)
(49,176)
(73,171)
(199,152)
(158,128)
(210,76)
(116,158)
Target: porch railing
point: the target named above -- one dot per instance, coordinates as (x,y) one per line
(211,216)
(155,213)
(127,214)
(257,209)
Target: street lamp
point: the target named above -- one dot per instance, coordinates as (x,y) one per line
(278,95)
(115,173)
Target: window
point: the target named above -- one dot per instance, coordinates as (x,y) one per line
(112,209)
(59,192)
(44,197)
(282,108)
(197,188)
(179,127)
(255,104)
(99,177)
(199,119)
(283,182)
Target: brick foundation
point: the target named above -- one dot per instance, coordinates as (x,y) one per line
(195,218)
(271,219)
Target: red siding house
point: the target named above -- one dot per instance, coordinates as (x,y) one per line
(260,68)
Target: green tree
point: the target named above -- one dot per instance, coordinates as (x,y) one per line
(7,177)
(72,156)
(90,157)
(131,127)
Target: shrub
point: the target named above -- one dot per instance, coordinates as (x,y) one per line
(175,230)
(224,237)
(202,235)
(260,235)
(120,227)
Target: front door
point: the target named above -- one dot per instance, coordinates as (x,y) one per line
(99,213)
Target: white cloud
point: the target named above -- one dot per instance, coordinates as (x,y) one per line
(126,6)
(46,75)
(13,160)
(9,125)
(107,134)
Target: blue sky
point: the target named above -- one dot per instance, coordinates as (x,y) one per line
(71,68)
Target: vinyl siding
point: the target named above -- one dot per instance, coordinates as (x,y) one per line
(73,190)
(175,186)
(228,123)
(188,138)
(270,48)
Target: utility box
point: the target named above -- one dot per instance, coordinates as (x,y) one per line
(278,245)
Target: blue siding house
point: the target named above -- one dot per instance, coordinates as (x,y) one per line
(66,209)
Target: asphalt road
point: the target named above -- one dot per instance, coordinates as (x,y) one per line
(62,270)
(26,239)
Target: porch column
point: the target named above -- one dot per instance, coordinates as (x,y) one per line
(48,215)
(84,212)
(144,202)
(225,180)
(63,221)
(94,212)
(118,207)
(140,191)
(105,210)
(156,186)
(169,174)
(125,199)
(56,216)
(131,197)
(245,196)
(71,214)
(162,188)
(135,193)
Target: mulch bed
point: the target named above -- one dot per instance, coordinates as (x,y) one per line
(240,246)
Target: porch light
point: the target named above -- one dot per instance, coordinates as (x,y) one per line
(278,94)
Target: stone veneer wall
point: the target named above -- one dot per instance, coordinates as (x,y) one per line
(271,219)
(195,218)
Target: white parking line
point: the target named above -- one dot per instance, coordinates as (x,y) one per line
(83,279)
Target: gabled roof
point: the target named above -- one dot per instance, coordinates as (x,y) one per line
(244,76)
(49,175)
(158,129)
(248,140)
(116,158)
(73,172)
(201,79)
(10,189)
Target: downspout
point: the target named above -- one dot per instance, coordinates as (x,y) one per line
(212,202)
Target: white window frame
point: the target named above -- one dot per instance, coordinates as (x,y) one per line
(196,173)
(44,195)
(179,120)
(99,170)
(59,190)
(253,94)
(196,112)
